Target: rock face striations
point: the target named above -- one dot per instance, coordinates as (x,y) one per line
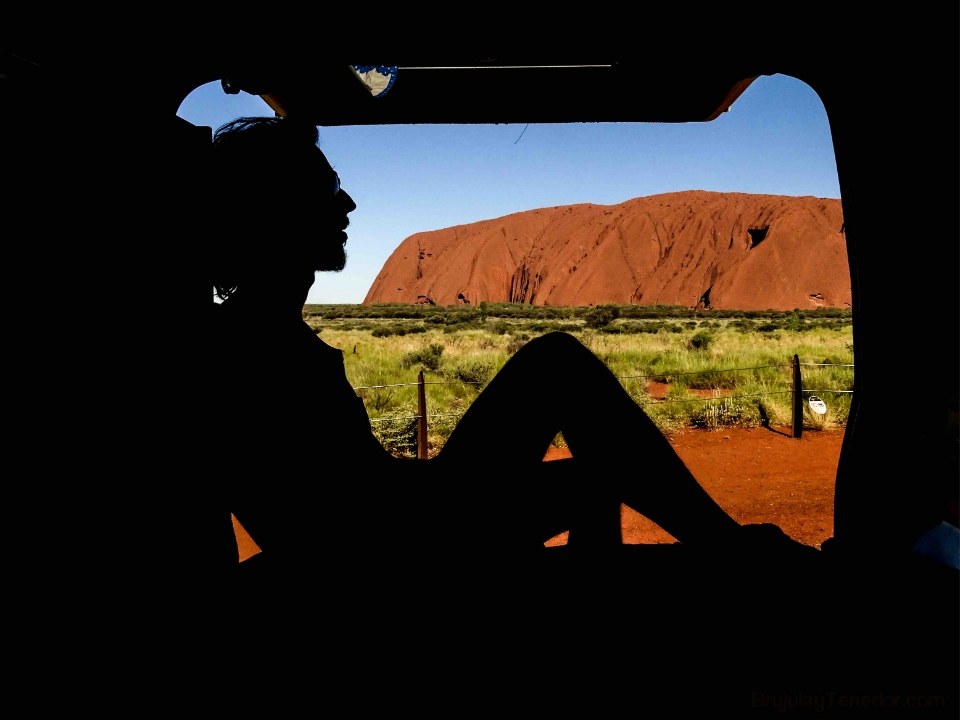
(727,251)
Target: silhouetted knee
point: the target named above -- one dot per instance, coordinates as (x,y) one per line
(545,360)
(559,351)
(555,343)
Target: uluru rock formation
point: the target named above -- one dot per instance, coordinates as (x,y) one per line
(728,251)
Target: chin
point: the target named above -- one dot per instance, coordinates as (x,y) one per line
(334,263)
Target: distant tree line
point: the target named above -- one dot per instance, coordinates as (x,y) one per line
(502,318)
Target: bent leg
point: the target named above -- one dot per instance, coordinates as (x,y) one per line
(555,384)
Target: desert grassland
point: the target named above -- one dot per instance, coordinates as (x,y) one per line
(685,368)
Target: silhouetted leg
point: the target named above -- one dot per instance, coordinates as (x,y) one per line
(555,384)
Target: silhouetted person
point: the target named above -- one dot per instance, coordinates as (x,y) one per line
(304,472)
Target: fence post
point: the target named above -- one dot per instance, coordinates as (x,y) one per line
(421,417)
(797,398)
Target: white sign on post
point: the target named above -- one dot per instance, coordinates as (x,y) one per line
(817,405)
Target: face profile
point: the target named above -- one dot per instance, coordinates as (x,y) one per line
(335,205)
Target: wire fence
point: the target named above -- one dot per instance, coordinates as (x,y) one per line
(421,419)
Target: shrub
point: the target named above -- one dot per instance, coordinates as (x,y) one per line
(474,372)
(601,316)
(428,356)
(379,400)
(397,434)
(727,412)
(701,340)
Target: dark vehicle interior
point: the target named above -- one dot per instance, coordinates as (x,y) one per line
(109,294)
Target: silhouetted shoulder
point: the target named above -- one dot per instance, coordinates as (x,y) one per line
(285,382)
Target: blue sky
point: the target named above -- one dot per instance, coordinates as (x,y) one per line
(406,179)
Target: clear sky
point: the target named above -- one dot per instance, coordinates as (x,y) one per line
(410,178)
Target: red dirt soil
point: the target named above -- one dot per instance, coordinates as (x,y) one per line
(758,475)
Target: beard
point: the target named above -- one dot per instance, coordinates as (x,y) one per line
(331,258)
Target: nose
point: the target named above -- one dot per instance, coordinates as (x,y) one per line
(343,197)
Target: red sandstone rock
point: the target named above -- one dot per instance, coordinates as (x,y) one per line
(728,251)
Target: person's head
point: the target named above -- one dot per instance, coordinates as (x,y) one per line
(281,212)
